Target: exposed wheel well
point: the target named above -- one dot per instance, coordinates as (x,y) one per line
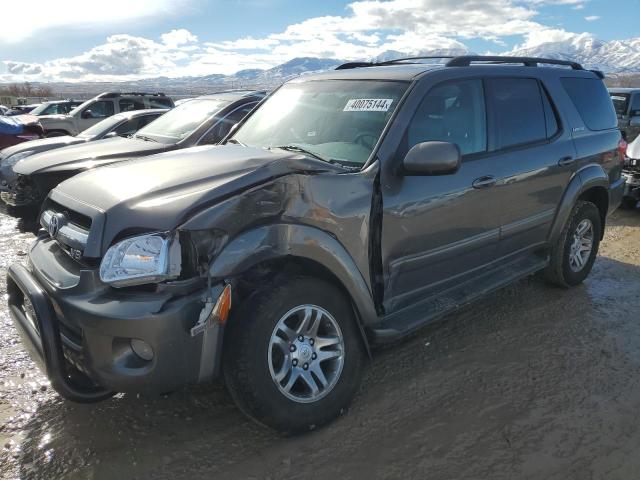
(265,272)
(55,133)
(600,198)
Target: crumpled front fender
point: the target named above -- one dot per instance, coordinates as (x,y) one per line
(281,240)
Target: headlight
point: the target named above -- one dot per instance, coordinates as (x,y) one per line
(144,259)
(16,157)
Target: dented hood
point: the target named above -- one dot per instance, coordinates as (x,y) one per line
(162,191)
(87,155)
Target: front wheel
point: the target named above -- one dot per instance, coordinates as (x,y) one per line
(293,356)
(575,252)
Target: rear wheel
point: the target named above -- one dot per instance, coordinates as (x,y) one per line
(293,356)
(575,251)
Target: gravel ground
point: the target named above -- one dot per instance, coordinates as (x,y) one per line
(531,382)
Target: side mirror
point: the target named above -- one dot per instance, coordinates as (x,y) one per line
(432,158)
(634,121)
(87,114)
(111,135)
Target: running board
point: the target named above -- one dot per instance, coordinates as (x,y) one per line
(399,324)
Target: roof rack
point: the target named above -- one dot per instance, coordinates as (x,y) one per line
(349,65)
(467,60)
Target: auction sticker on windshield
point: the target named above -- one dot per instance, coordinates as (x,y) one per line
(368,105)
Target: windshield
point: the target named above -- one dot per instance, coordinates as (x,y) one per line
(102,127)
(181,121)
(336,120)
(620,102)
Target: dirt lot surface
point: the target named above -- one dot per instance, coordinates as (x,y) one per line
(531,382)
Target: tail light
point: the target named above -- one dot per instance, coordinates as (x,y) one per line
(622,150)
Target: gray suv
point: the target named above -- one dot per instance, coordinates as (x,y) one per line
(348,210)
(627,104)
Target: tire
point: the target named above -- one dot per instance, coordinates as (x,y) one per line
(629,203)
(252,358)
(562,271)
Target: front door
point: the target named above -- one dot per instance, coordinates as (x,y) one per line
(438,231)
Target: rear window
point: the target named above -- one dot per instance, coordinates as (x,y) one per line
(592,101)
(518,111)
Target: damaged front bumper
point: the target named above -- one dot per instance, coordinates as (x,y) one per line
(19,192)
(120,340)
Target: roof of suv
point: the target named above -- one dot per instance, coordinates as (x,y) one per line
(408,69)
(53,102)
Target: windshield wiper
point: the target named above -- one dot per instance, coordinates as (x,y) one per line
(236,142)
(296,148)
(146,138)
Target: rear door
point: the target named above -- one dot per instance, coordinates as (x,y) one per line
(535,161)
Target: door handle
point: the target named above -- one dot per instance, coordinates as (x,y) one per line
(566,161)
(484,182)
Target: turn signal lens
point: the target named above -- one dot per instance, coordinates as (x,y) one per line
(223,305)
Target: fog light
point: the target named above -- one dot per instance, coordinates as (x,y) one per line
(142,349)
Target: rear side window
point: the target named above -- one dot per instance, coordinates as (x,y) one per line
(592,101)
(518,112)
(452,112)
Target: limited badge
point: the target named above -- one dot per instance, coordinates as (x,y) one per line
(368,105)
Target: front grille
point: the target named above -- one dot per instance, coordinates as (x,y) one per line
(68,228)
(75,218)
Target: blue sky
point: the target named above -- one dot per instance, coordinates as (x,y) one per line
(86,40)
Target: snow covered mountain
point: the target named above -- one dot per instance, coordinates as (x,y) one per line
(616,56)
(613,57)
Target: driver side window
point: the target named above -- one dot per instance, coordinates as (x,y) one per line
(451,112)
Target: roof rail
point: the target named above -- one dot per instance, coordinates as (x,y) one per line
(346,66)
(467,60)
(119,94)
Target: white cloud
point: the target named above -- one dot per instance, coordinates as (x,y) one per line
(368,28)
(178,37)
(38,15)
(592,18)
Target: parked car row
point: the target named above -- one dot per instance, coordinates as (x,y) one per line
(28,174)
(347,210)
